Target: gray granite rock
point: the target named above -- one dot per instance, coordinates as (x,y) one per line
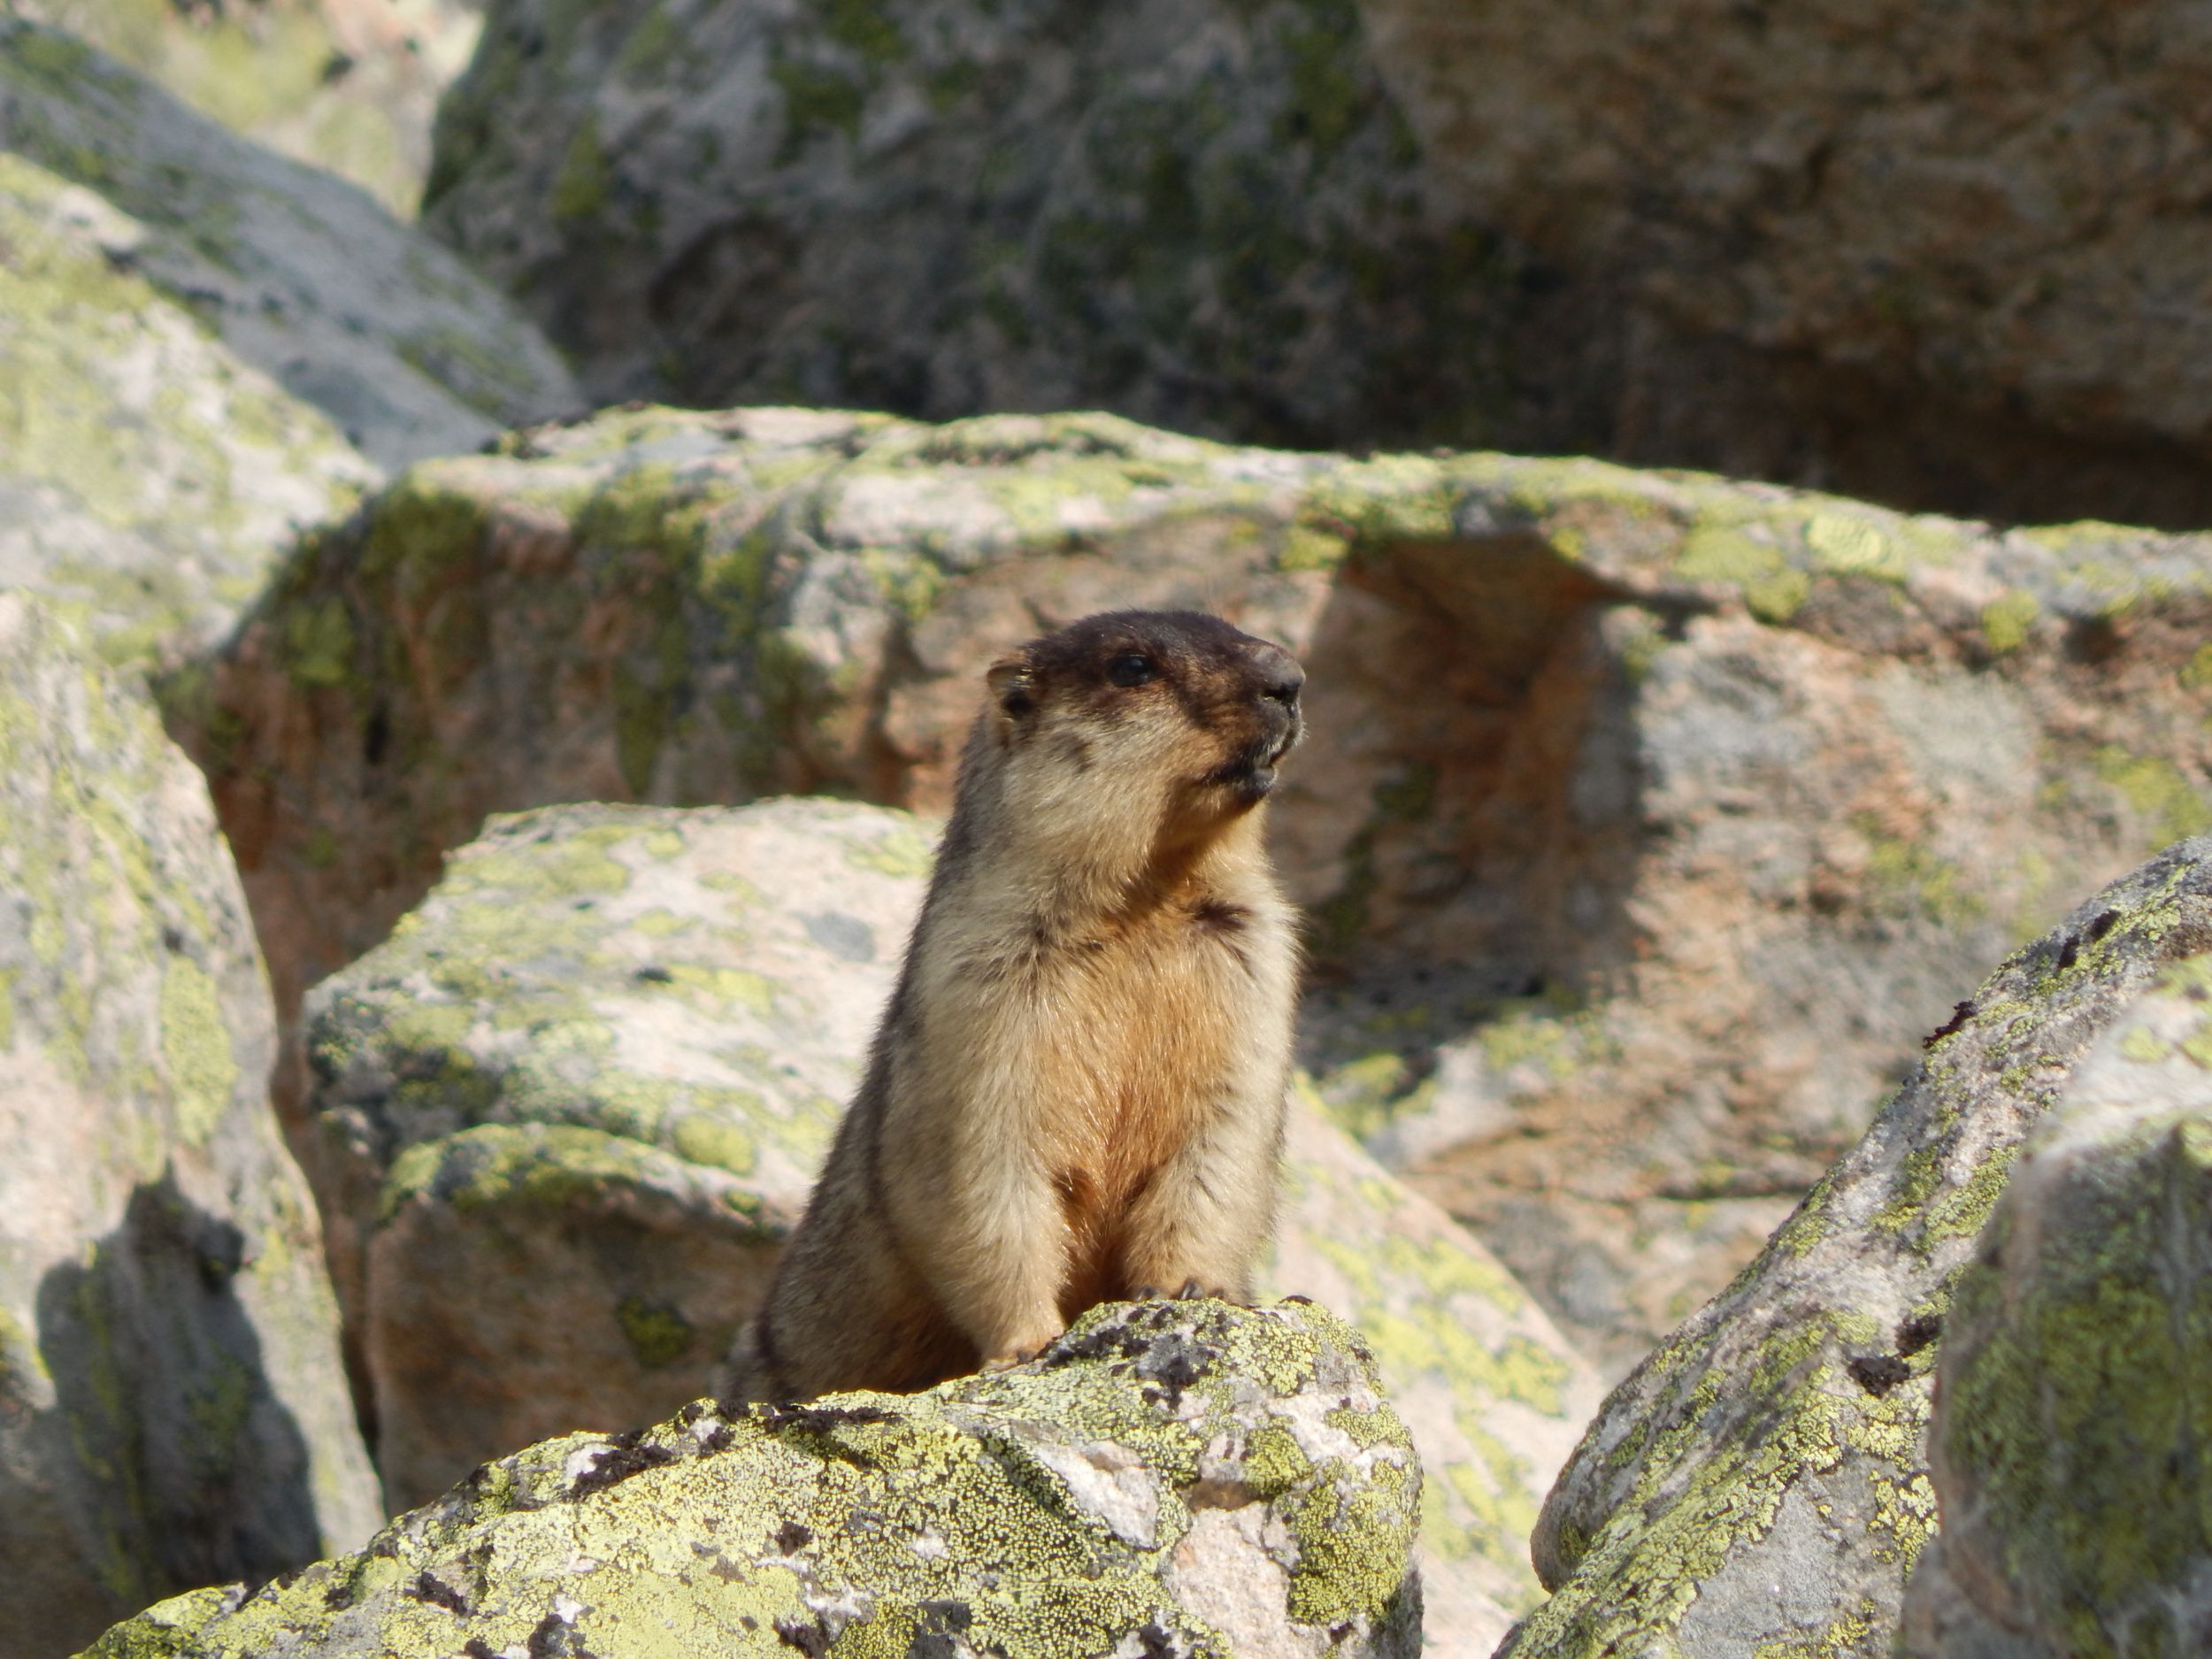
(172,1409)
(1177,1480)
(601,1062)
(1203,213)
(1646,822)
(404,348)
(2076,1372)
(1762,1481)
(1942,256)
(346,85)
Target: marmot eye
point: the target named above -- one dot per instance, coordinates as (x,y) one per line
(1132,668)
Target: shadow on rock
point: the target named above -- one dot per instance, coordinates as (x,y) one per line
(183,1467)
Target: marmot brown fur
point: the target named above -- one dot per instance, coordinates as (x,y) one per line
(1077,1091)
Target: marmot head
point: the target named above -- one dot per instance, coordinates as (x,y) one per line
(1174,706)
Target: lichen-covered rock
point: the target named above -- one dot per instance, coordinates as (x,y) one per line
(2076,1382)
(1205,213)
(1180,1479)
(1760,1483)
(149,478)
(1939,255)
(1646,821)
(406,350)
(346,85)
(603,1061)
(172,1412)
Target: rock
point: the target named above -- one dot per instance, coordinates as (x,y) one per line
(296,273)
(1168,1479)
(1934,254)
(1203,213)
(2076,1368)
(346,85)
(1762,1478)
(172,1412)
(604,1059)
(149,484)
(1646,821)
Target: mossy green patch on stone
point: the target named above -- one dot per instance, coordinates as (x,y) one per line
(658,1335)
(903,1498)
(580,187)
(2155,788)
(902,851)
(2009,620)
(195,1048)
(2196,673)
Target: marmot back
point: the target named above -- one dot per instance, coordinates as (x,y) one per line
(1077,1091)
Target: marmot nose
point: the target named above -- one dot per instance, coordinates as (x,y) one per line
(1279,676)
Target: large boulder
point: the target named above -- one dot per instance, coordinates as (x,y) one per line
(172,1412)
(602,1062)
(302,276)
(149,478)
(2076,1373)
(1762,1481)
(1169,1479)
(346,85)
(1205,213)
(1646,822)
(208,347)
(1946,256)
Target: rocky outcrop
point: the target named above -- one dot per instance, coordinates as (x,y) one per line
(602,1062)
(149,479)
(1762,1481)
(349,85)
(209,349)
(1173,1479)
(1948,260)
(2076,1373)
(172,1408)
(406,350)
(1949,256)
(1208,215)
(1646,819)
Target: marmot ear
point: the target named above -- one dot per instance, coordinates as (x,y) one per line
(1013,686)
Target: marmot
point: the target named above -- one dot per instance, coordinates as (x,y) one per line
(1077,1091)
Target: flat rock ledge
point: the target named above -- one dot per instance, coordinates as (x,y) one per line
(1170,1478)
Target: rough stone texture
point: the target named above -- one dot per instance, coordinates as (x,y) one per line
(1760,1483)
(172,1408)
(1646,822)
(603,1061)
(346,85)
(2076,1384)
(1946,255)
(1205,213)
(299,274)
(149,479)
(1178,1479)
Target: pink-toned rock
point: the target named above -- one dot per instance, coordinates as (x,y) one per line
(1647,819)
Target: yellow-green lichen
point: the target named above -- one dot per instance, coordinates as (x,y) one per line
(712,1534)
(195,1048)
(2008,621)
(2156,791)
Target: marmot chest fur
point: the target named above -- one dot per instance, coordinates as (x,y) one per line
(1077,1091)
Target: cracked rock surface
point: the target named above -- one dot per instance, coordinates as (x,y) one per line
(1780,1437)
(1182,1478)
(2076,1373)
(171,1406)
